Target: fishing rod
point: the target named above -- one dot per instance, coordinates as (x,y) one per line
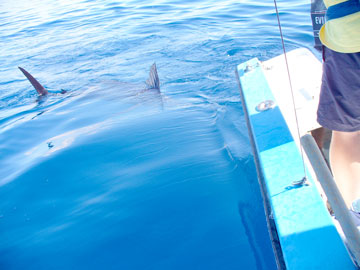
(302,181)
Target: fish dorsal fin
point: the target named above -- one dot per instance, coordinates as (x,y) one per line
(153,81)
(39,88)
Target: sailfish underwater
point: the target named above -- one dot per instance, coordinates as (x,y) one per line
(152,83)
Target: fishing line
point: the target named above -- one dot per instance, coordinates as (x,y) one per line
(304,180)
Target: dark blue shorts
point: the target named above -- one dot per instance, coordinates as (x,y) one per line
(339,106)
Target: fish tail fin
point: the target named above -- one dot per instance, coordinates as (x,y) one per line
(153,81)
(39,88)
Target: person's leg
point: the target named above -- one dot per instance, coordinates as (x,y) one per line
(345,163)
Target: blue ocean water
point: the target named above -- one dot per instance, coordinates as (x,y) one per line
(109,176)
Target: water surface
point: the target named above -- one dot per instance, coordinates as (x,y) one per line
(108,176)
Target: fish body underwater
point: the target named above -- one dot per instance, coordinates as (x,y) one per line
(72,117)
(152,83)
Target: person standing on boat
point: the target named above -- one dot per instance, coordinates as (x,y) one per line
(339,106)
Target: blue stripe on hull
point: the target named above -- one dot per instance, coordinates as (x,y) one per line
(307,235)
